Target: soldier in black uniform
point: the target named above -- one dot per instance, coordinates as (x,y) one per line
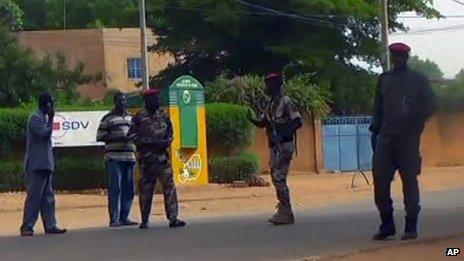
(152,133)
(404,101)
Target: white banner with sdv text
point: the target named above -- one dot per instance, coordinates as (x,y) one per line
(76,129)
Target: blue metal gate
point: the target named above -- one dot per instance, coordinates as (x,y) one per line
(347,144)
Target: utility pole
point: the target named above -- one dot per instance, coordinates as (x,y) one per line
(143,36)
(385,54)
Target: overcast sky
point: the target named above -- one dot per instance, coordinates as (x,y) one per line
(445,47)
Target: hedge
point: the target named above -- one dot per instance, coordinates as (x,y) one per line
(228,129)
(229,134)
(229,169)
(72,174)
(13,123)
(12,128)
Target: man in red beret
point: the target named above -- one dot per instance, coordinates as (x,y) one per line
(153,134)
(281,120)
(404,101)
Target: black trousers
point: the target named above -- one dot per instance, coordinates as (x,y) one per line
(394,153)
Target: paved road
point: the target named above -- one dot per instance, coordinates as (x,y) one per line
(317,232)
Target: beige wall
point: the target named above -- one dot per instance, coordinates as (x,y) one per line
(77,46)
(442,144)
(103,51)
(121,44)
(306,159)
(443,140)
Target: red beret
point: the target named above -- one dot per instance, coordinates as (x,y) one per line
(274,76)
(399,48)
(151,92)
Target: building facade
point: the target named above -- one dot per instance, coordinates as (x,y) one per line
(113,54)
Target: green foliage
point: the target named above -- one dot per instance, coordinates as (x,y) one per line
(98,13)
(13,123)
(308,96)
(352,91)
(23,76)
(72,174)
(451,95)
(217,36)
(247,91)
(426,67)
(11,16)
(228,130)
(251,91)
(229,169)
(12,129)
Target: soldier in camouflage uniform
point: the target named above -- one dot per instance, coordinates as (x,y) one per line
(281,121)
(153,134)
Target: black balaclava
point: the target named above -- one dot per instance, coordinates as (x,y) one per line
(120,102)
(274,85)
(45,98)
(152,102)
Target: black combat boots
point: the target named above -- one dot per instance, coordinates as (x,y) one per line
(410,230)
(387,228)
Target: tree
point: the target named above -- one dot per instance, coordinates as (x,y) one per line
(23,76)
(352,91)
(459,76)
(51,14)
(11,15)
(250,91)
(426,67)
(210,37)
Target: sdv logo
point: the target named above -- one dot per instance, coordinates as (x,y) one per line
(72,125)
(62,125)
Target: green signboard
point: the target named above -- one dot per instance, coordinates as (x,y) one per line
(187,93)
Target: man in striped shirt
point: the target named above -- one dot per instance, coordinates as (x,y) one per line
(120,161)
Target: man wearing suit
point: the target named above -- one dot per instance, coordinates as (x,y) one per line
(39,166)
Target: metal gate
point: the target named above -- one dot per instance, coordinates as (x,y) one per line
(347,144)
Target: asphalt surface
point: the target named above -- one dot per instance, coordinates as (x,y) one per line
(317,232)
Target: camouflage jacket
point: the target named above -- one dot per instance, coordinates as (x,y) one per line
(152,134)
(279,114)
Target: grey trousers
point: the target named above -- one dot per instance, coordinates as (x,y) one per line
(40,198)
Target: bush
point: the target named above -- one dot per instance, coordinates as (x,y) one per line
(23,76)
(250,91)
(13,124)
(451,97)
(12,128)
(71,174)
(229,169)
(228,129)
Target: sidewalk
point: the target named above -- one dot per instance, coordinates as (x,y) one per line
(308,191)
(429,249)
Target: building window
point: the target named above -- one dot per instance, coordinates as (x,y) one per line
(134,68)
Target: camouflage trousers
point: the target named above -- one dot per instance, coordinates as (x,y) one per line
(150,173)
(280,165)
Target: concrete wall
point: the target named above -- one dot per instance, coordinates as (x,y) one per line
(442,144)
(122,44)
(307,157)
(443,140)
(77,46)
